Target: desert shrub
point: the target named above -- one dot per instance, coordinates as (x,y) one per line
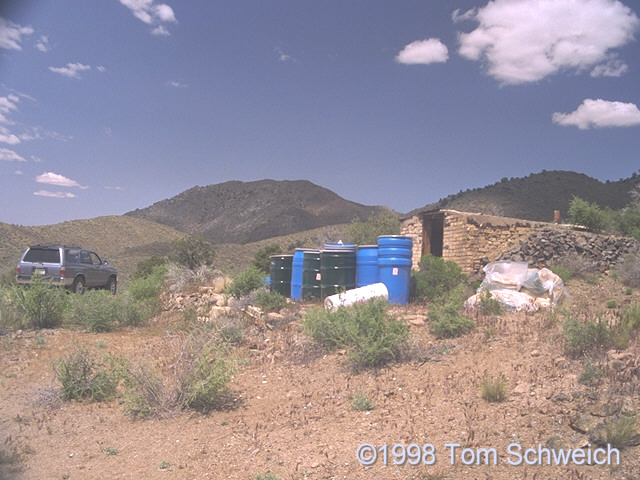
(489,305)
(246,282)
(446,319)
(261,259)
(627,221)
(494,389)
(629,271)
(145,394)
(581,338)
(9,317)
(435,278)
(204,371)
(154,265)
(192,251)
(40,305)
(589,215)
(84,378)
(361,403)
(620,431)
(96,310)
(371,335)
(367,233)
(590,374)
(631,317)
(573,265)
(270,301)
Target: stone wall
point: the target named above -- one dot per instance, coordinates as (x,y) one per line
(473,240)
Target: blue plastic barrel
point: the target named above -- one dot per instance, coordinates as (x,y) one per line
(296,274)
(367,265)
(394,265)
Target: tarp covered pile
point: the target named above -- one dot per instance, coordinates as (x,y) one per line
(519,288)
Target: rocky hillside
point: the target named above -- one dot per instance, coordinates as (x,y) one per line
(242,212)
(537,196)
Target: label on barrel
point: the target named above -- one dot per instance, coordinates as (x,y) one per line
(318,276)
(394,272)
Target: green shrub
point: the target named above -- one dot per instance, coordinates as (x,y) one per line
(370,334)
(446,319)
(96,310)
(261,259)
(435,278)
(192,252)
(84,378)
(590,374)
(246,282)
(10,319)
(494,389)
(631,317)
(489,305)
(40,305)
(367,233)
(154,265)
(588,215)
(627,221)
(581,338)
(361,403)
(270,301)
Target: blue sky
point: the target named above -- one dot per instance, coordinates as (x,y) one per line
(111,105)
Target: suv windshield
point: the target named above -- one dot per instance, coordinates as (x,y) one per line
(42,255)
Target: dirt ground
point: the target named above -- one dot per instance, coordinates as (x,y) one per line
(293,416)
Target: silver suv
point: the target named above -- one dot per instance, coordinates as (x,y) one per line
(72,267)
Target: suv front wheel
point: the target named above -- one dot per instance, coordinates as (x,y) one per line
(112,285)
(78,286)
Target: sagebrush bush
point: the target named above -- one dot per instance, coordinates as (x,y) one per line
(361,403)
(82,377)
(435,278)
(371,335)
(40,305)
(446,319)
(581,338)
(629,271)
(246,282)
(192,251)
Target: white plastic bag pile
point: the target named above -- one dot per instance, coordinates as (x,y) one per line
(519,288)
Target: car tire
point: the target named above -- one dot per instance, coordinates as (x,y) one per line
(78,286)
(112,285)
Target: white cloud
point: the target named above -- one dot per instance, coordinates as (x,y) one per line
(43,44)
(101,68)
(51,178)
(47,193)
(613,68)
(72,70)
(10,156)
(7,105)
(151,13)
(423,52)
(11,34)
(526,40)
(600,113)
(160,31)
(7,137)
(18,172)
(176,84)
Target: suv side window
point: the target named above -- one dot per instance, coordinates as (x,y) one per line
(85,257)
(72,255)
(95,259)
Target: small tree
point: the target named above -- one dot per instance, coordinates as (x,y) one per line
(261,258)
(192,252)
(367,233)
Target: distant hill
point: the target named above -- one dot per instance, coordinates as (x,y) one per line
(243,212)
(536,196)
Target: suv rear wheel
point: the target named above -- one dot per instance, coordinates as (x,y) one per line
(78,286)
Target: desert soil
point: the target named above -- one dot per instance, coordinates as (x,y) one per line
(292,415)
